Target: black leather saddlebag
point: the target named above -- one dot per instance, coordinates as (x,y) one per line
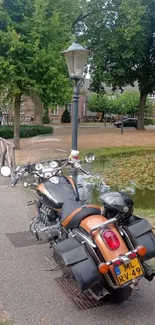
(140,233)
(73,259)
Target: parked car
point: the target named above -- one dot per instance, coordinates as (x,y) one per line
(129,122)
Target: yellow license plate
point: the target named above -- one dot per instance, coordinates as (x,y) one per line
(126,273)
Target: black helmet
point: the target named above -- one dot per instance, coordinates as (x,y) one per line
(115,202)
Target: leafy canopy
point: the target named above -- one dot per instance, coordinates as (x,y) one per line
(126,103)
(32,34)
(121,35)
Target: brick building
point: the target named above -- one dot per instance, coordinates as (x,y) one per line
(28,105)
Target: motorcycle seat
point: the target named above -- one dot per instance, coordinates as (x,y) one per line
(73,212)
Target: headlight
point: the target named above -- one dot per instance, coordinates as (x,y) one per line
(17,168)
(38,167)
(54,164)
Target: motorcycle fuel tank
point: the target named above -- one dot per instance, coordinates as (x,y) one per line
(55,191)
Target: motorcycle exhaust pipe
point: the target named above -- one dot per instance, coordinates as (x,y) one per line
(149,272)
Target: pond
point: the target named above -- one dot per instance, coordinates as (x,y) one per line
(144,199)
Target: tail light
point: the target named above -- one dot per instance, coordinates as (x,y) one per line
(132,255)
(110,239)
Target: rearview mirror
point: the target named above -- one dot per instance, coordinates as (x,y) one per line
(5,171)
(89,157)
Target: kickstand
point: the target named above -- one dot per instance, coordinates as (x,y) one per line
(53,268)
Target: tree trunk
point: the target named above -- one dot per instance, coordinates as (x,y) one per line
(46,115)
(17,121)
(141,110)
(38,111)
(105,122)
(102,118)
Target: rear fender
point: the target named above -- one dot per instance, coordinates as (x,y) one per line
(108,255)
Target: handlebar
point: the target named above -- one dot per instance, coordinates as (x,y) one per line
(54,171)
(84,171)
(15,181)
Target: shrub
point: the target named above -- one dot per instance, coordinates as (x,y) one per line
(26,131)
(66,117)
(46,119)
(149,122)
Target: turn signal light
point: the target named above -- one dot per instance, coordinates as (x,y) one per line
(103,268)
(141,250)
(111,240)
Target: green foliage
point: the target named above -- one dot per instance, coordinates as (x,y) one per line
(99,103)
(26,131)
(149,121)
(126,103)
(66,117)
(121,36)
(46,119)
(32,35)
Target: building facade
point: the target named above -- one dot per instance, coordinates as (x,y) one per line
(55,114)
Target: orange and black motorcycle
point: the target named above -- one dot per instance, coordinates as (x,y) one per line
(105,248)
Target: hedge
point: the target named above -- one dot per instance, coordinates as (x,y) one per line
(149,122)
(26,131)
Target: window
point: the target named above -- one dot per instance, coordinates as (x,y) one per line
(55,111)
(152,95)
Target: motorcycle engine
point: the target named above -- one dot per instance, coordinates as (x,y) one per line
(46,226)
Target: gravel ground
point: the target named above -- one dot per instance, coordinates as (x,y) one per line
(59,144)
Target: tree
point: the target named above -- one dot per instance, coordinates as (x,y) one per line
(32,34)
(128,103)
(125,103)
(15,53)
(121,36)
(99,103)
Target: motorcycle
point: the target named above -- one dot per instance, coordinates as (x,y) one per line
(103,248)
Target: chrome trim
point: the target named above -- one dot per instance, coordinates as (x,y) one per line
(125,259)
(103,225)
(112,285)
(94,253)
(84,237)
(120,258)
(128,238)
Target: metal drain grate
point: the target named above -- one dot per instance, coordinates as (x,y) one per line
(82,301)
(23,239)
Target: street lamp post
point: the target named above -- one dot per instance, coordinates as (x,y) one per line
(122,126)
(76,58)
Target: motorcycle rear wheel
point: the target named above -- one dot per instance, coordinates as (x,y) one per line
(120,295)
